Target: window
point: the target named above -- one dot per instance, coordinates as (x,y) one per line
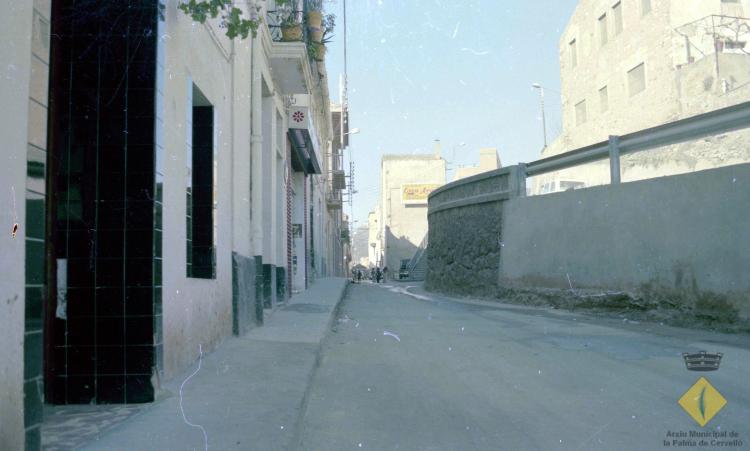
(603,29)
(603,99)
(571,185)
(201,262)
(637,79)
(581,112)
(617,13)
(573,53)
(645,7)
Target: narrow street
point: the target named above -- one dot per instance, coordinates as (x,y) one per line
(406,372)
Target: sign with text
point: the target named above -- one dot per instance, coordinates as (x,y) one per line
(417,193)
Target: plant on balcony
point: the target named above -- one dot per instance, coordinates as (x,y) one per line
(291,26)
(318,46)
(231,18)
(314,14)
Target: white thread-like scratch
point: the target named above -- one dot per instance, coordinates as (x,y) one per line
(475,52)
(391,334)
(184,418)
(570,284)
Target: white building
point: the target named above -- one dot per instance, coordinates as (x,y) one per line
(375,237)
(488,161)
(627,65)
(188,179)
(406,182)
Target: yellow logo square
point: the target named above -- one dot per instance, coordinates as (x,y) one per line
(702,401)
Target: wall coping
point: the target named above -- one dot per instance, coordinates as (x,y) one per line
(474,178)
(473,200)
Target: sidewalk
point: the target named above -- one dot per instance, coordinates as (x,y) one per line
(248,393)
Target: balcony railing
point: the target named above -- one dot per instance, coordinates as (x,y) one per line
(334,200)
(275,19)
(714,34)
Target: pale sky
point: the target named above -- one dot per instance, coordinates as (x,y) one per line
(458,71)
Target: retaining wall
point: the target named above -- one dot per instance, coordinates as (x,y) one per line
(687,232)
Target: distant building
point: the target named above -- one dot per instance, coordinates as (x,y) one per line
(488,161)
(375,238)
(360,245)
(406,181)
(633,64)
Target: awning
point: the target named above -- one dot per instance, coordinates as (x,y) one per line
(304,158)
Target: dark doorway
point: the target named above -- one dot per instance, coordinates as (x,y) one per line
(102,270)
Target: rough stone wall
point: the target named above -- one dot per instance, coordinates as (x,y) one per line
(464,251)
(463,255)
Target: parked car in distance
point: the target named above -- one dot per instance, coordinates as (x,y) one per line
(403,270)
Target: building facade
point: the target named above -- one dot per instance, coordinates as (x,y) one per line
(406,181)
(169,185)
(374,238)
(488,161)
(627,65)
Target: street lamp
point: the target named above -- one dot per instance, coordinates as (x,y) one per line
(544,119)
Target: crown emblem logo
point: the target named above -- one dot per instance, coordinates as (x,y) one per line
(702,361)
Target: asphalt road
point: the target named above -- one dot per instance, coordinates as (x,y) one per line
(423,373)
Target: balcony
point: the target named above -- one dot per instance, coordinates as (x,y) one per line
(275,20)
(292,63)
(713,35)
(338,179)
(334,200)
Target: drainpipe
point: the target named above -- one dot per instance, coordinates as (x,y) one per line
(234,202)
(256,149)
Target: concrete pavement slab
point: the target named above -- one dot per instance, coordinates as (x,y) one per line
(247,394)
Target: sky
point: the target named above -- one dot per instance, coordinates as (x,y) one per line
(457,71)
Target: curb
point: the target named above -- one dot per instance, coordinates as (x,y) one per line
(296,440)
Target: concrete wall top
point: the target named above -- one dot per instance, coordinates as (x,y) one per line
(492,182)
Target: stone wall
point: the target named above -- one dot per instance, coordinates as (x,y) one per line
(464,250)
(683,234)
(465,232)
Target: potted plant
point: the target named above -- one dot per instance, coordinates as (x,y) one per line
(319,45)
(291,28)
(315,14)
